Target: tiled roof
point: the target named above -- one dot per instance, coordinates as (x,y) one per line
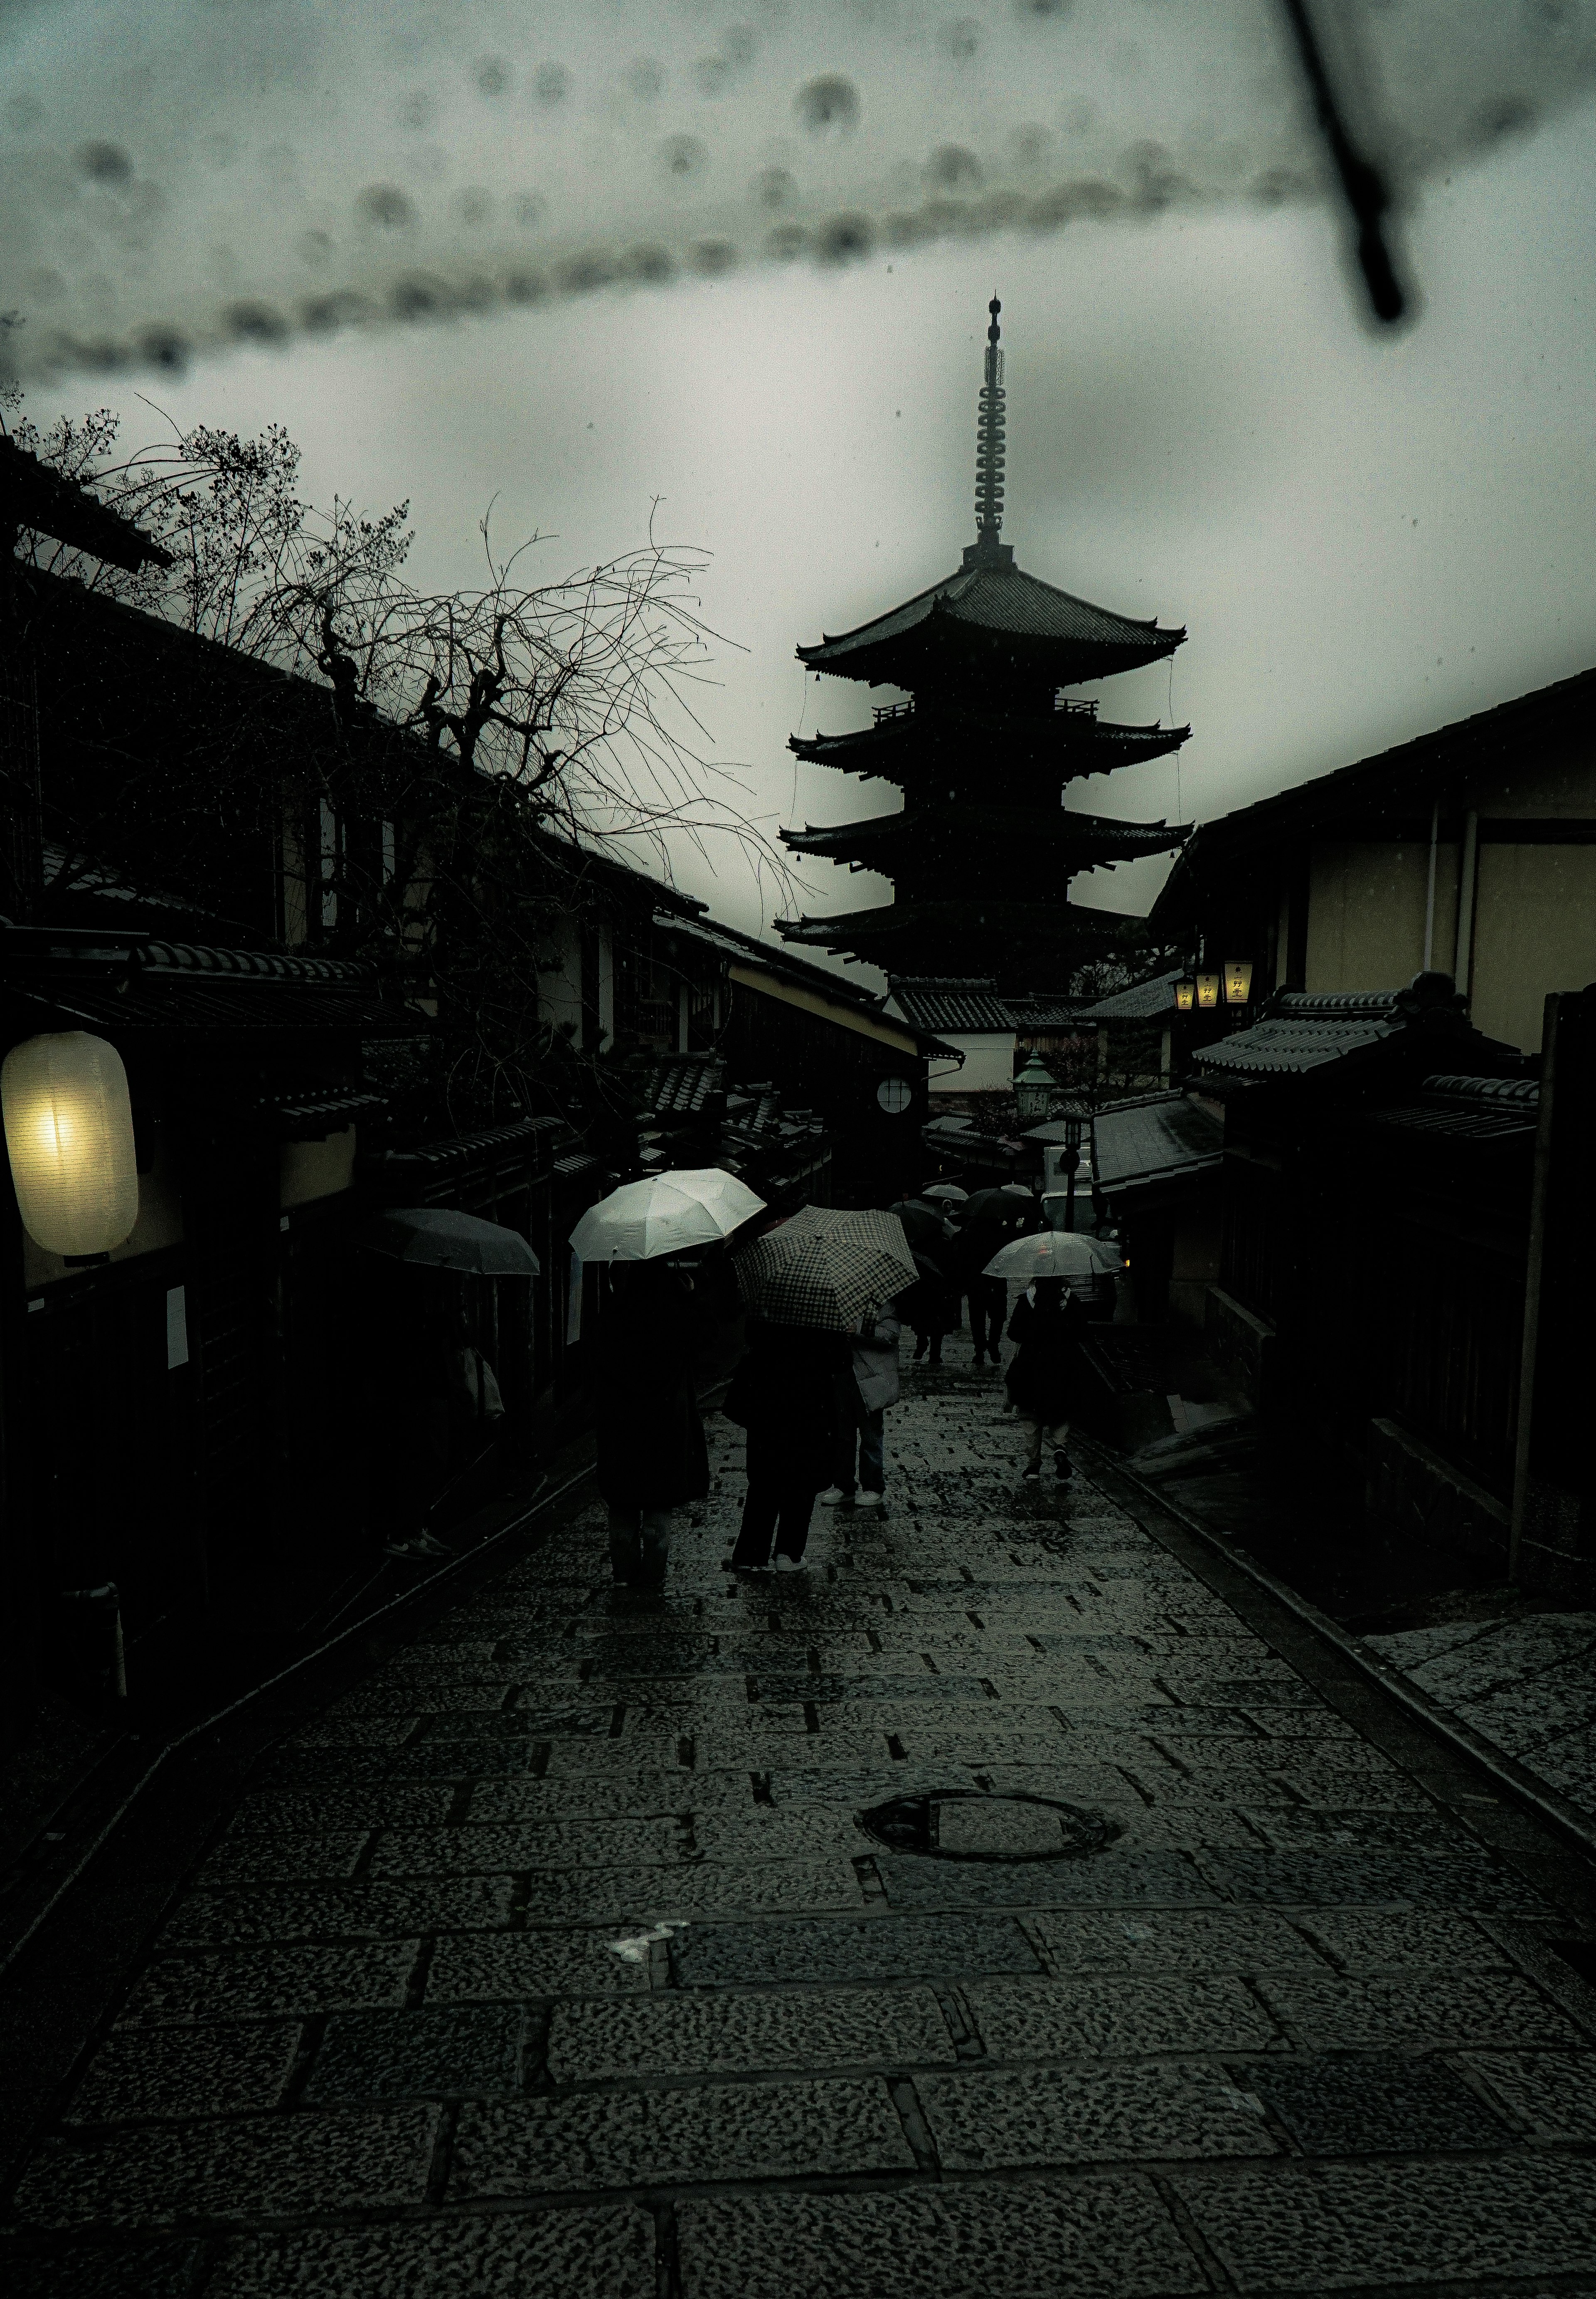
(1143,1001)
(1004,600)
(1467,1110)
(1300,1031)
(117,983)
(1158,1138)
(951,1006)
(1044,1013)
(682,1084)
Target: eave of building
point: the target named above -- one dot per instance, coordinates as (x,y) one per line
(1043,924)
(1069,741)
(1395,785)
(991,611)
(1083,838)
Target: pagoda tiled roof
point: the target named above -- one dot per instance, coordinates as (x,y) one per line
(1080,741)
(989,599)
(1027,828)
(932,923)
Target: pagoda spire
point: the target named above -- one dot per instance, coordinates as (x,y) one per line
(990,456)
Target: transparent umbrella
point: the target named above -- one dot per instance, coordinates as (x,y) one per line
(1053,1253)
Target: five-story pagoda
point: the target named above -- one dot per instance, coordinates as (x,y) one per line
(982,852)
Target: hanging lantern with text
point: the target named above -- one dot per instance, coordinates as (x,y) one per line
(1186,994)
(69,1132)
(1208,990)
(1238,981)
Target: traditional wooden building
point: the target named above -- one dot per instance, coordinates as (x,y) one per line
(1471,850)
(983,741)
(1376,1193)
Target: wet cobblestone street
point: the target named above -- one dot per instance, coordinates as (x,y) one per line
(752,1944)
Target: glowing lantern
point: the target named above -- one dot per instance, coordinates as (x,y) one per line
(68,1130)
(1208,990)
(1238,981)
(1186,994)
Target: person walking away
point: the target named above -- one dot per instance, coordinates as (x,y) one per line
(651,1453)
(784,1394)
(1044,1377)
(989,1297)
(864,1390)
(930,1305)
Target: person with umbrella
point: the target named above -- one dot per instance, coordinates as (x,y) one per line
(991,1218)
(1047,1327)
(810,1285)
(651,1455)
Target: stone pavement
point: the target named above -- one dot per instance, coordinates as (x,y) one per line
(986,1910)
(1526,1684)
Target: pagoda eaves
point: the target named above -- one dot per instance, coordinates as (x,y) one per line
(1014,834)
(989,615)
(1071,741)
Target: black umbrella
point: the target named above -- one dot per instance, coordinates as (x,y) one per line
(1004,1209)
(442,1240)
(922,1224)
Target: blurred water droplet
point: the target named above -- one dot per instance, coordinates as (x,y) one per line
(385,205)
(775,189)
(845,238)
(493,76)
(257,323)
(683,155)
(104,163)
(552,84)
(952,169)
(828,105)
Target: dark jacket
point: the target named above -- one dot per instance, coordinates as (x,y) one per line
(784,1395)
(651,1440)
(1044,1377)
(931,1304)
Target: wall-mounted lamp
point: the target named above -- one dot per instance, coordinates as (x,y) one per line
(1238,981)
(1208,992)
(69,1132)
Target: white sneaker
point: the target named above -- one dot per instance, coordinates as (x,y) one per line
(788,1565)
(833,1497)
(870,1501)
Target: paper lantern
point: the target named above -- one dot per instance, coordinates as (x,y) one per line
(1208,990)
(69,1131)
(1186,994)
(1238,981)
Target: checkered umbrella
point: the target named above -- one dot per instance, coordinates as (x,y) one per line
(825,1268)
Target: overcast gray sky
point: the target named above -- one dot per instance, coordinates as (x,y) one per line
(1366,537)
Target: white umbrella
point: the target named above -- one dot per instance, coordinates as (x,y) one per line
(667,1213)
(1053,1253)
(949,1189)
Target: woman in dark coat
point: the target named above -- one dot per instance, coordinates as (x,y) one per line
(1044,1377)
(652,1458)
(930,1305)
(784,1395)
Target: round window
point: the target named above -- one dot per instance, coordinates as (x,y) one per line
(895,1094)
